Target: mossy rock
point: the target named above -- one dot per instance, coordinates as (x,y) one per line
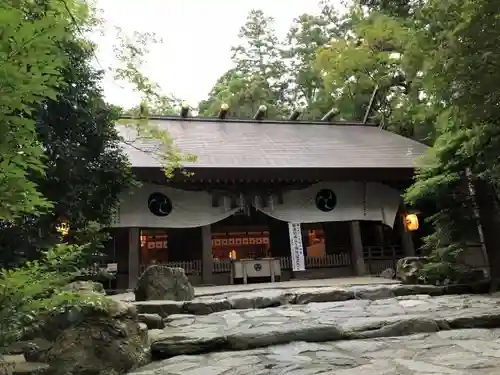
(163,283)
(408,269)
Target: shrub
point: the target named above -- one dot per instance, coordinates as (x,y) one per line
(36,287)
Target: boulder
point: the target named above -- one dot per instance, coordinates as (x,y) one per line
(91,340)
(85,286)
(6,367)
(16,365)
(163,283)
(407,269)
(388,273)
(36,350)
(152,321)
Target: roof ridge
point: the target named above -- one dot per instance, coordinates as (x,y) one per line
(252,121)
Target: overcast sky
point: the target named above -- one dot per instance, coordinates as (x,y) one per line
(197,37)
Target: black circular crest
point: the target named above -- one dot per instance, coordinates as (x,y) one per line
(159,204)
(326,200)
(257,267)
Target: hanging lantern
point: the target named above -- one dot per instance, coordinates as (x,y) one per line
(411,222)
(63,228)
(232,254)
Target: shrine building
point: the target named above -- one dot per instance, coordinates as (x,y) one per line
(341,181)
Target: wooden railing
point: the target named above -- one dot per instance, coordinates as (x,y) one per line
(191,267)
(379,258)
(221,266)
(377,252)
(331,260)
(327,261)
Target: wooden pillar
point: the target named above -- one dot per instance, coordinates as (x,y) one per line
(279,238)
(406,239)
(330,239)
(379,228)
(207,258)
(133,257)
(357,248)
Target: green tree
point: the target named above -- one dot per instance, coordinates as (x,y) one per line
(401,9)
(38,287)
(308,34)
(58,139)
(31,60)
(33,68)
(131,50)
(452,60)
(258,76)
(86,170)
(458,39)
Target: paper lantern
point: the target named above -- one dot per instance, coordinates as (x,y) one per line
(63,228)
(411,222)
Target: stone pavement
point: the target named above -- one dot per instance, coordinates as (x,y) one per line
(259,299)
(458,352)
(383,329)
(226,289)
(317,283)
(322,322)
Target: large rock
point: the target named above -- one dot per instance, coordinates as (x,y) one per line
(36,350)
(16,365)
(407,269)
(152,321)
(163,283)
(388,273)
(91,340)
(6,367)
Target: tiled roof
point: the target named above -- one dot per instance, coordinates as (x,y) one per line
(253,144)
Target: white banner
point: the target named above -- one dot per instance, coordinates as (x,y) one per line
(298,261)
(157,206)
(338,201)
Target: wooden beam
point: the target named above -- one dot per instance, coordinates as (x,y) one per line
(330,115)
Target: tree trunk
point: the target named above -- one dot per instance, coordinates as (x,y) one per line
(490,225)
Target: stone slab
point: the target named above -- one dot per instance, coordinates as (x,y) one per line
(240,288)
(318,322)
(454,352)
(291,284)
(277,297)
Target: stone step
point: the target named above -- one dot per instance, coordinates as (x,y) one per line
(277,297)
(454,352)
(320,322)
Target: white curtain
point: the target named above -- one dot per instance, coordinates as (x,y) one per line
(354,201)
(189,209)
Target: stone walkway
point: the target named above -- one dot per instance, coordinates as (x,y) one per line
(333,282)
(384,329)
(458,352)
(260,299)
(322,322)
(318,283)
